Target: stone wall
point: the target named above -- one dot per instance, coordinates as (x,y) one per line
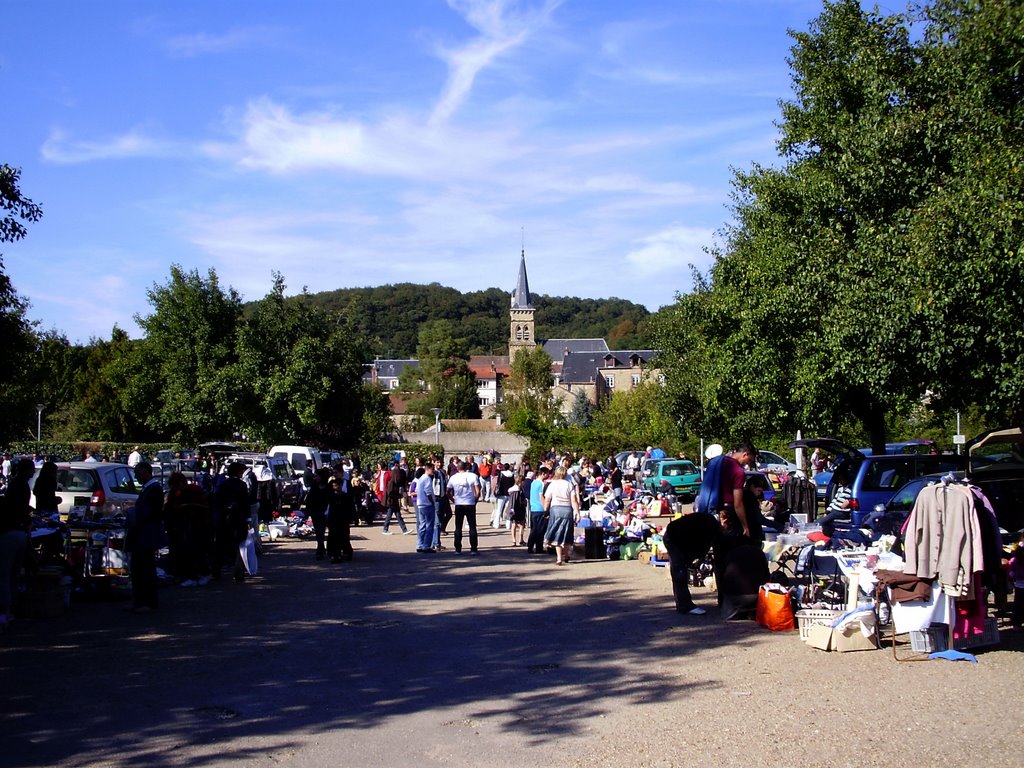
(511,447)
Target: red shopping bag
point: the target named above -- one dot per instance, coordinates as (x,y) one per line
(775,608)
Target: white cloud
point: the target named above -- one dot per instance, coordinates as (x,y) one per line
(671,251)
(500,31)
(59,148)
(201,43)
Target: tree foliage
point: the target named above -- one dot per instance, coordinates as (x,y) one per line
(871,269)
(581,413)
(390,317)
(189,342)
(17,399)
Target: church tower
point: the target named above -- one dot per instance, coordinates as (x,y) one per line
(521,330)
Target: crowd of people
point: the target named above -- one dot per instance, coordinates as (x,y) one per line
(205,519)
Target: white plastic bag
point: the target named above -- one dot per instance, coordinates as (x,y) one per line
(247,550)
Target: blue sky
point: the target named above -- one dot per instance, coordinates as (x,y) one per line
(358,143)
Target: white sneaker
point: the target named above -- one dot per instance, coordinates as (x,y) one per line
(696,611)
(408,532)
(386,533)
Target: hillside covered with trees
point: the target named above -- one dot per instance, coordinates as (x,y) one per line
(390,317)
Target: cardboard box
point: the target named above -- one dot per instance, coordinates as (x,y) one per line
(853,638)
(823,637)
(820,636)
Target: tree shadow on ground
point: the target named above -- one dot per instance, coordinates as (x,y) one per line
(233,671)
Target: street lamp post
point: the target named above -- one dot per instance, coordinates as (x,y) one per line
(437,425)
(39,424)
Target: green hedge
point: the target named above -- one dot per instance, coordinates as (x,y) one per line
(68,451)
(369,455)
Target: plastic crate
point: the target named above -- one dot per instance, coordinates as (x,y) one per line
(807,617)
(990,636)
(935,638)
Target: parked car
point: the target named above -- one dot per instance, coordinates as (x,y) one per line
(681,474)
(289,487)
(768,460)
(889,517)
(647,468)
(996,466)
(915,445)
(219,450)
(822,480)
(874,479)
(299,456)
(92,490)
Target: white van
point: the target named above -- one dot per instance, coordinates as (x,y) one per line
(300,456)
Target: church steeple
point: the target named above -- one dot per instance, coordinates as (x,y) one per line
(521,328)
(521,296)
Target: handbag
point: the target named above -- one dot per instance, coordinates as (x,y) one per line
(775,608)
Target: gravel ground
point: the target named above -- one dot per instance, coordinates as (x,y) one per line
(497,660)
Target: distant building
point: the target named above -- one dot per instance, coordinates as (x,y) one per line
(490,371)
(386,372)
(586,365)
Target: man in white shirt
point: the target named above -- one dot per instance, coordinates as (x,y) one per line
(464,491)
(134,457)
(632,465)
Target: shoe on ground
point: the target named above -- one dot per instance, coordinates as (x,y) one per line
(387,533)
(203,581)
(189,583)
(474,552)
(407,532)
(696,611)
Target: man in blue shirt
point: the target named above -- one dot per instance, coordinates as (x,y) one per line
(426,512)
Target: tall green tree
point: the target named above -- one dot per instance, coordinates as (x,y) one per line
(377,412)
(444,369)
(189,343)
(298,373)
(581,414)
(837,250)
(968,234)
(17,400)
(527,405)
(635,419)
